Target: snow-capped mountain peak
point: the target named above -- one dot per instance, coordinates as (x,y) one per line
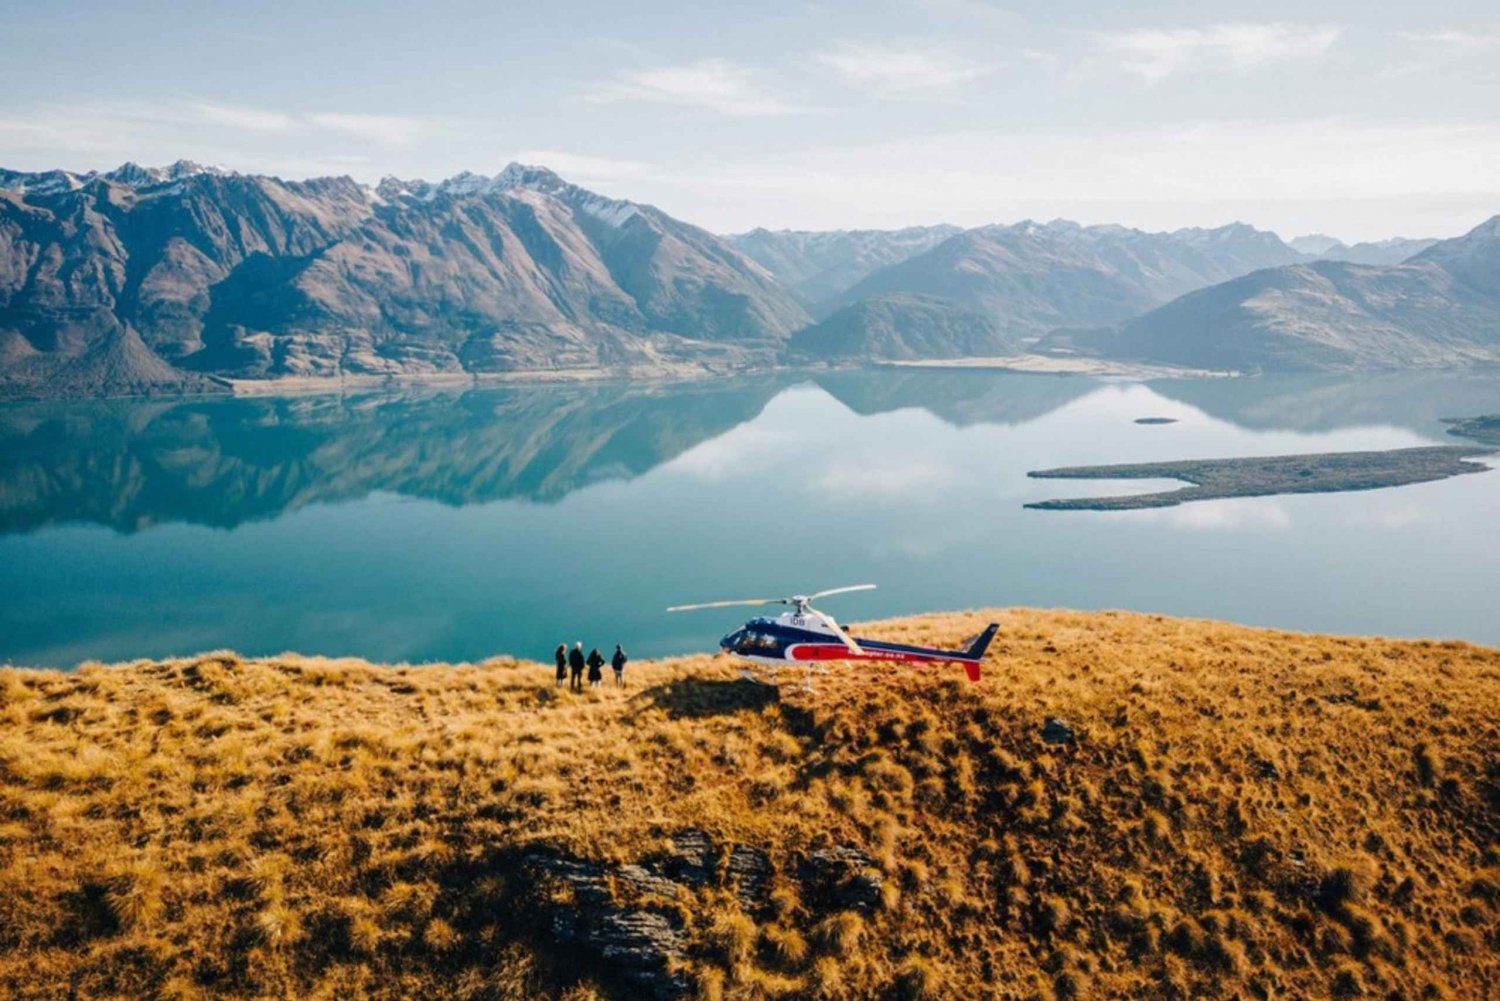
(133,175)
(515,177)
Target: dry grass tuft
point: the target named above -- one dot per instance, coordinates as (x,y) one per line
(1244,813)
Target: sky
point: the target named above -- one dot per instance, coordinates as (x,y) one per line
(1360,120)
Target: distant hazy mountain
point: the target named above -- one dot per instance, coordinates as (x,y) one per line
(1394,251)
(819,266)
(144,280)
(1314,244)
(1030,278)
(903,327)
(1442,308)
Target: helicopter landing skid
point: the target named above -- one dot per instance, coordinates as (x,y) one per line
(808,670)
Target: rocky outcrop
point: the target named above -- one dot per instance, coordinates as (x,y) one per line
(842,878)
(623,922)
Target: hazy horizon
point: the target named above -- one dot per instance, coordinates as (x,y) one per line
(1321,117)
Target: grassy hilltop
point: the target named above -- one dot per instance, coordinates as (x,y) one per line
(1238,813)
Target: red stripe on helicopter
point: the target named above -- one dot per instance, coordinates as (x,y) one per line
(837,651)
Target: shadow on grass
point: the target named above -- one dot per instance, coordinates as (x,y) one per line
(695,699)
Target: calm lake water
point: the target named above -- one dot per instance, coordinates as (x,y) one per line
(427,525)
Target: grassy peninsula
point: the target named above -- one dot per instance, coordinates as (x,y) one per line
(1261,476)
(1127,806)
(1485,428)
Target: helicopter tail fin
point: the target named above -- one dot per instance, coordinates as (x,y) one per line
(975,653)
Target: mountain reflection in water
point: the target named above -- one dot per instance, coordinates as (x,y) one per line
(455,524)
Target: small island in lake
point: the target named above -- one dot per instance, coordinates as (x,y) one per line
(1211,479)
(1153,421)
(1485,428)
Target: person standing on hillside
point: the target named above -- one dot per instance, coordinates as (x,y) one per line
(596,668)
(618,663)
(575,663)
(561,653)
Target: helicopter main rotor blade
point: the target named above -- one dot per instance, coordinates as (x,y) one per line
(841,590)
(837,630)
(727,604)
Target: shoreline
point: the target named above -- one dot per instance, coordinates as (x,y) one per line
(1007,616)
(303,385)
(1035,364)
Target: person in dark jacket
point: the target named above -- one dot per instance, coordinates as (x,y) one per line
(575,664)
(562,663)
(618,663)
(596,668)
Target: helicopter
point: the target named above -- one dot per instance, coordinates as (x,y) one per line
(803,635)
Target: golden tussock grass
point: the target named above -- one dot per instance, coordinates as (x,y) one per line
(1243,813)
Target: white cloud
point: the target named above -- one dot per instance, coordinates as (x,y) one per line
(1452,39)
(246,138)
(1157,53)
(1429,51)
(901,69)
(1361,181)
(714,84)
(389,130)
(235,117)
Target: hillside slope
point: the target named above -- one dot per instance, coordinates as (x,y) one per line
(903,327)
(1223,812)
(1031,278)
(183,273)
(1439,309)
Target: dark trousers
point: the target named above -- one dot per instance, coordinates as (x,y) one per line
(577,680)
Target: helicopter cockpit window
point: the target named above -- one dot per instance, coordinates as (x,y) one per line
(753,643)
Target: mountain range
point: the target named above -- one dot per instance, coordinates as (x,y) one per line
(1327,248)
(1441,308)
(186,278)
(144,280)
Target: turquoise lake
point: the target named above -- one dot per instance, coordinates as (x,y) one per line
(423,525)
